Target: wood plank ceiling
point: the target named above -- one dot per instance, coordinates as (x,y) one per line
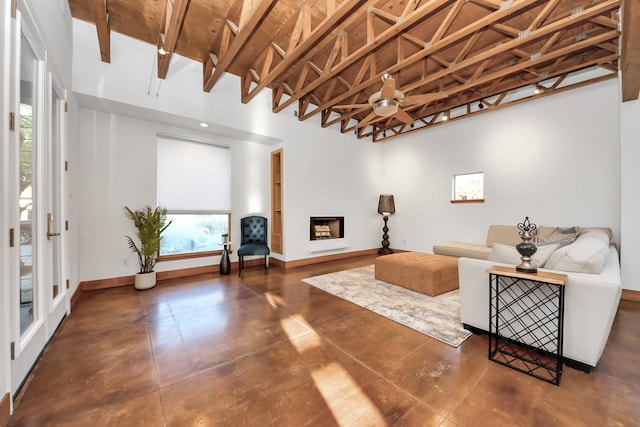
(325,54)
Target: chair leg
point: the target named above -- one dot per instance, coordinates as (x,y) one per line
(240,264)
(266,261)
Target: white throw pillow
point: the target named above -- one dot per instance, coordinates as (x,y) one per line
(587,255)
(509,254)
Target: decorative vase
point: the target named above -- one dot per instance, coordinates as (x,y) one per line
(225,262)
(145,280)
(526,248)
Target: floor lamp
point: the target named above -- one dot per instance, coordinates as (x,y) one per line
(386,207)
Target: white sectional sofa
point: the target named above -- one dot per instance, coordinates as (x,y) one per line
(592,292)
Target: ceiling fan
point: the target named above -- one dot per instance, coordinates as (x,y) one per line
(388,100)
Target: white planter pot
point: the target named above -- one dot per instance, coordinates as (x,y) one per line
(145,280)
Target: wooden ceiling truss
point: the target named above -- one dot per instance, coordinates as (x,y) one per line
(328,56)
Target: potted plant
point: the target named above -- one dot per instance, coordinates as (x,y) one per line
(225,238)
(150,224)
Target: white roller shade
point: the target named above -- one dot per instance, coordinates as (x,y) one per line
(193,176)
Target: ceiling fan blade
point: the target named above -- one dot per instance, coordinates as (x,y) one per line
(403,116)
(423,99)
(352,106)
(362,123)
(388,88)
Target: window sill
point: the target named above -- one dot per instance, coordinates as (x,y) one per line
(468,201)
(190,255)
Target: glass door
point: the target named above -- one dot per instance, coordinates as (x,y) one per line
(56,289)
(27,194)
(27,120)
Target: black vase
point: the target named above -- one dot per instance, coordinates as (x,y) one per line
(225,262)
(526,249)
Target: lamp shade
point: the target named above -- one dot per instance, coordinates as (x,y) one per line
(386,205)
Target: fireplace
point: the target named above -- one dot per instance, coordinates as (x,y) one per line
(326,227)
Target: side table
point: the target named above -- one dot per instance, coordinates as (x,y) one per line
(526,321)
(225,262)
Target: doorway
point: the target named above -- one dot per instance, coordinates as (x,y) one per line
(39,302)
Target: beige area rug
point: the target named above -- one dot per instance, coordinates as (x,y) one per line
(438,317)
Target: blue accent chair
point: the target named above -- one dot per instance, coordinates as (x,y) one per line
(253,230)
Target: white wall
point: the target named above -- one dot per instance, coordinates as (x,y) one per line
(118,168)
(555,159)
(630,206)
(330,174)
(53,21)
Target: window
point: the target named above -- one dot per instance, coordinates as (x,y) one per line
(193,232)
(468,187)
(194,184)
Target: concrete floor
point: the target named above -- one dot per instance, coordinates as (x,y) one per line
(269,350)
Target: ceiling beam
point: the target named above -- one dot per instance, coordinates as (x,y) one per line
(101,16)
(406,22)
(311,40)
(173,18)
(429,49)
(630,50)
(250,20)
(501,48)
(550,29)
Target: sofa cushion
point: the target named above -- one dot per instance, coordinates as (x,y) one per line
(509,254)
(587,255)
(461,249)
(505,234)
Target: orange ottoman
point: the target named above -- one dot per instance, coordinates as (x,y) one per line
(426,273)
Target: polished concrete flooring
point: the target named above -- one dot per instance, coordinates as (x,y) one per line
(268,350)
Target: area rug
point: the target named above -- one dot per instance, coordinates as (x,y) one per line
(437,317)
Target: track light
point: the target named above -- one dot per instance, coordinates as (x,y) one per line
(540,89)
(384,134)
(480,105)
(445,117)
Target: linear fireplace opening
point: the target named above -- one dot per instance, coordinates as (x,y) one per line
(326,227)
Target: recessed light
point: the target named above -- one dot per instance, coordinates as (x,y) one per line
(204,125)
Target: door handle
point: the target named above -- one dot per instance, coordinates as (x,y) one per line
(50,233)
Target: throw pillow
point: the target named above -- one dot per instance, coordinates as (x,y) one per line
(509,254)
(561,236)
(587,255)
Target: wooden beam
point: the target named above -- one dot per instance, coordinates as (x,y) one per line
(295,53)
(174,17)
(101,15)
(455,37)
(630,50)
(430,49)
(431,7)
(242,37)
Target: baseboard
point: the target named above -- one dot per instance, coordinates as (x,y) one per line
(114,282)
(5,409)
(77,295)
(630,295)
